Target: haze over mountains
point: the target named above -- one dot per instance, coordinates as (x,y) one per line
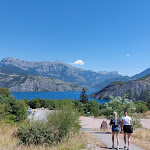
(17,75)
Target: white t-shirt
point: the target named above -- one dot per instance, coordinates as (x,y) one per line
(126,120)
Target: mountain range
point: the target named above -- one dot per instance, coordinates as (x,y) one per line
(54,70)
(17,75)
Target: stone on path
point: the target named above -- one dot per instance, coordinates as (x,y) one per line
(104,126)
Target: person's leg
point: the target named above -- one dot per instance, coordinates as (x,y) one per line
(117,136)
(113,139)
(129,134)
(124,139)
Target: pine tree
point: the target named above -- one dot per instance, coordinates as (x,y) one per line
(83,97)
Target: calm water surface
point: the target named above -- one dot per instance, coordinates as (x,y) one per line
(54,95)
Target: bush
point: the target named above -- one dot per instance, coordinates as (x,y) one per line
(65,120)
(12,110)
(59,125)
(36,133)
(4,91)
(94,108)
(148,103)
(141,106)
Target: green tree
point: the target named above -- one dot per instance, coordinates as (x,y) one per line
(148,103)
(141,106)
(120,104)
(4,91)
(83,97)
(94,108)
(25,100)
(12,110)
(38,105)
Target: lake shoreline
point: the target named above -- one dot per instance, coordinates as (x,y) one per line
(74,95)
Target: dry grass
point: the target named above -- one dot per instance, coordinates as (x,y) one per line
(6,140)
(80,141)
(92,142)
(146,115)
(141,137)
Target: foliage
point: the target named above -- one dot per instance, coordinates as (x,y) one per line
(59,125)
(4,91)
(83,96)
(94,108)
(141,106)
(36,133)
(12,110)
(119,105)
(36,103)
(46,103)
(148,103)
(65,120)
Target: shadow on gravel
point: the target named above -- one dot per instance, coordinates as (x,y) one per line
(100,132)
(110,148)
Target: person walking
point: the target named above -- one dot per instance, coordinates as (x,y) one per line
(115,128)
(127,128)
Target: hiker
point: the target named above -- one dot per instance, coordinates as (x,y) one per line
(115,128)
(127,128)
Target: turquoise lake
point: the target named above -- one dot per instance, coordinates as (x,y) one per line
(54,95)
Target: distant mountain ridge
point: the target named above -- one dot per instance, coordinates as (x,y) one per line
(137,89)
(142,74)
(109,81)
(56,70)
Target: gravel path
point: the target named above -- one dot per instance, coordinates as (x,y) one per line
(145,123)
(92,125)
(106,139)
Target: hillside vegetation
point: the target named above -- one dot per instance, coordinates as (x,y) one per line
(137,90)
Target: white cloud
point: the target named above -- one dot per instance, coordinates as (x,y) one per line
(78,62)
(128,55)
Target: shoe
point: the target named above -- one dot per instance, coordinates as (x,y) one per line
(125,147)
(113,147)
(128,148)
(117,148)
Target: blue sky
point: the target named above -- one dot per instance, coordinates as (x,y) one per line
(111,35)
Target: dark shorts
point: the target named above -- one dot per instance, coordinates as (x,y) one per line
(116,129)
(127,129)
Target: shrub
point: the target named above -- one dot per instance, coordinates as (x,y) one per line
(141,106)
(59,125)
(148,103)
(65,120)
(4,91)
(12,110)
(93,107)
(36,133)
